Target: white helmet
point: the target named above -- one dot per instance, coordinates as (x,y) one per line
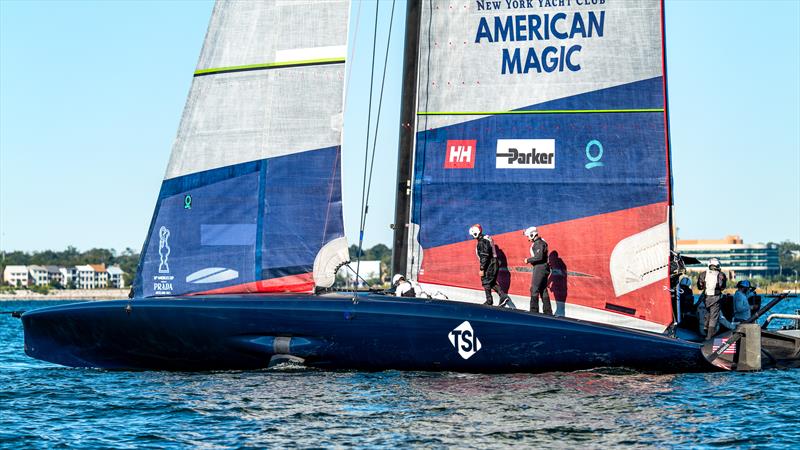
(713,262)
(396,279)
(530,232)
(475,231)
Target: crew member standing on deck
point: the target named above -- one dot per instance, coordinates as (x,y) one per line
(540,271)
(712,282)
(489,265)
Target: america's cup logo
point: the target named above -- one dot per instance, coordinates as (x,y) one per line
(163,249)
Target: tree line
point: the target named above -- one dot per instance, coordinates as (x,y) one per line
(127,260)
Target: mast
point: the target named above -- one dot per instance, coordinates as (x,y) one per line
(402,206)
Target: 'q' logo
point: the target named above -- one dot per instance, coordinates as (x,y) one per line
(464,340)
(594,159)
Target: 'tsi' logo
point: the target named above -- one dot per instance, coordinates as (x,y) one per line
(464,340)
(460,155)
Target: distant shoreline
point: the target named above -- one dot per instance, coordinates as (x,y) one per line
(68,294)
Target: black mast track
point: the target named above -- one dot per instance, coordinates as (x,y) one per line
(402,205)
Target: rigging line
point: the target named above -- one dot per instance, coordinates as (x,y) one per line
(366,143)
(378,118)
(416,249)
(351,58)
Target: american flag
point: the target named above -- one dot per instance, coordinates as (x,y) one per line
(719,342)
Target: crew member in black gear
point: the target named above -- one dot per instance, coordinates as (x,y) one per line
(489,265)
(539,273)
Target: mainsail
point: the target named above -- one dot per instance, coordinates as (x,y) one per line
(251,199)
(547,116)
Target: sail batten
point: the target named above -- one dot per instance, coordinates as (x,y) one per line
(251,198)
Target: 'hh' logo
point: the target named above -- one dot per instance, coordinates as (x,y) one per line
(464,340)
(460,155)
(526,154)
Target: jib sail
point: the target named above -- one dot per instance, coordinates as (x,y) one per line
(251,200)
(553,117)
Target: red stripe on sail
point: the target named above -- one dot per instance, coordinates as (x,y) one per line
(580,252)
(293,283)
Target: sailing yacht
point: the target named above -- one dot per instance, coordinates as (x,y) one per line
(555,117)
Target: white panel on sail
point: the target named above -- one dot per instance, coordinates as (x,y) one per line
(249,99)
(464,75)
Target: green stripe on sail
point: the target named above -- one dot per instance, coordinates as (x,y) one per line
(275,65)
(543,111)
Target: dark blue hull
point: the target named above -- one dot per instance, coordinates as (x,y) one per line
(332,331)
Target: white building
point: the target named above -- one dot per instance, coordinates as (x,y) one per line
(100,275)
(38,275)
(367,270)
(54,276)
(16,275)
(84,277)
(68,274)
(115,277)
(736,257)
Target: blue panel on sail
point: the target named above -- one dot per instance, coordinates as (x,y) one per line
(302,210)
(643,94)
(600,163)
(244,224)
(228,234)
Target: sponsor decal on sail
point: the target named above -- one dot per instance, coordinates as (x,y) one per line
(460,154)
(212,275)
(526,154)
(162,283)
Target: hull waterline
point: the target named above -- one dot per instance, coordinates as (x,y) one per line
(332,331)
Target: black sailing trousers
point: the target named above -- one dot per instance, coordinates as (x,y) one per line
(539,289)
(489,283)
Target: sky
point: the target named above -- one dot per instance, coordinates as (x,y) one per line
(91,94)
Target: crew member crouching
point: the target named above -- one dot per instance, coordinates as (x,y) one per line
(406,288)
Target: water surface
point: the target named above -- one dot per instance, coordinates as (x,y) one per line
(44,405)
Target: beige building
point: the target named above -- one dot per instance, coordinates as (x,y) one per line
(15,275)
(100,275)
(38,275)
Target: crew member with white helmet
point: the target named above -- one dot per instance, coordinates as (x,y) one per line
(489,265)
(540,271)
(410,288)
(712,282)
(406,288)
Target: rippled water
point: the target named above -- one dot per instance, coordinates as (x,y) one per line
(43,405)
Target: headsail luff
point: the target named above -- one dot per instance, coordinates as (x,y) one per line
(554,117)
(251,199)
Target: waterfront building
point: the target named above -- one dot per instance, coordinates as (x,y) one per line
(115,277)
(100,275)
(37,275)
(85,278)
(68,274)
(368,270)
(740,259)
(15,275)
(54,276)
